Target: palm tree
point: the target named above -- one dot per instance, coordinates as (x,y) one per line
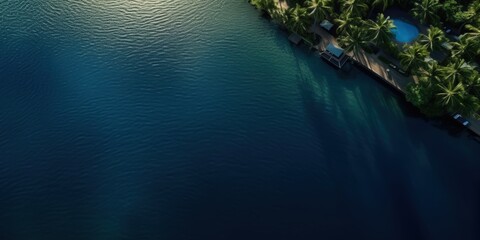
(345,22)
(434,37)
(470,16)
(297,19)
(473,38)
(319,9)
(431,73)
(457,71)
(413,57)
(384,4)
(461,49)
(474,83)
(470,106)
(451,94)
(264,5)
(279,15)
(426,11)
(357,8)
(353,40)
(380,30)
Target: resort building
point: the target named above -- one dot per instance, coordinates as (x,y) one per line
(335,55)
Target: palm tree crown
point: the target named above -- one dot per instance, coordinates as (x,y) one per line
(413,57)
(461,49)
(297,19)
(426,11)
(433,39)
(384,4)
(451,94)
(353,40)
(473,38)
(457,71)
(380,30)
(319,9)
(346,21)
(357,8)
(432,73)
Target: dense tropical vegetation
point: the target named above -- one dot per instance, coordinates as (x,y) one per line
(447,85)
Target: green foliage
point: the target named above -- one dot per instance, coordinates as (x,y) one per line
(470,16)
(418,94)
(353,40)
(462,49)
(454,87)
(356,8)
(457,71)
(472,39)
(432,72)
(379,31)
(297,19)
(279,15)
(345,22)
(413,57)
(319,9)
(422,96)
(449,9)
(392,49)
(451,88)
(295,2)
(451,95)
(265,5)
(474,83)
(470,106)
(426,11)
(433,39)
(383,4)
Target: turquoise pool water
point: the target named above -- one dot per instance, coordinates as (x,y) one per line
(404,31)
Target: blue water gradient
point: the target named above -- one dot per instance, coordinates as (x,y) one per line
(178,119)
(404,32)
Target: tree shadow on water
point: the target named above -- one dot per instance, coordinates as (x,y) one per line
(315,109)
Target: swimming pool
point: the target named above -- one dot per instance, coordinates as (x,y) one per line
(404,31)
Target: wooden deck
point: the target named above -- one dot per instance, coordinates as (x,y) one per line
(338,62)
(372,63)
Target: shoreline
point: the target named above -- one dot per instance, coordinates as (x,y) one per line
(371,64)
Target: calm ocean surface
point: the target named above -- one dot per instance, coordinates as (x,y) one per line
(136,119)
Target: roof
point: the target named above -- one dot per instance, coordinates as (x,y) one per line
(335,50)
(295,38)
(326,24)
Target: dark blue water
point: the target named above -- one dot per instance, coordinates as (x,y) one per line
(404,32)
(198,120)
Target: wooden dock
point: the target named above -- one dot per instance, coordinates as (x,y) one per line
(383,71)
